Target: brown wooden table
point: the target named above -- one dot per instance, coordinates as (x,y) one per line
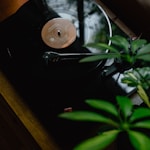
(19,128)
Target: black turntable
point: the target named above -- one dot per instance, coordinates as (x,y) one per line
(47,73)
(78,23)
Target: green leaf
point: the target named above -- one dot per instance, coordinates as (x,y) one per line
(137,77)
(140,113)
(87,116)
(100,56)
(144,52)
(125,105)
(144,72)
(103,46)
(103,105)
(99,142)
(142,124)
(139,140)
(131,74)
(136,44)
(143,95)
(120,41)
(145,57)
(129,81)
(144,49)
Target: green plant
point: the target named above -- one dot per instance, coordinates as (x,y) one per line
(125,119)
(127,54)
(139,78)
(121,49)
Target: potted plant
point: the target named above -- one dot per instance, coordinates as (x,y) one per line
(140,79)
(131,57)
(127,53)
(121,118)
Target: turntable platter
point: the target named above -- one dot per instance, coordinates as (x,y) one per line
(58,33)
(63,35)
(96,24)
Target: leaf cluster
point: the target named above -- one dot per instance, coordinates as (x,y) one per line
(127,120)
(121,48)
(139,78)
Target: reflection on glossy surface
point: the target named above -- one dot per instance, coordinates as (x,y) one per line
(97,27)
(58,33)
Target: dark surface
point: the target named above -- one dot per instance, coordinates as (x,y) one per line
(13,134)
(49,89)
(134,14)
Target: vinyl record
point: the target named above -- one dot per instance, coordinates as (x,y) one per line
(58,33)
(79,22)
(90,20)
